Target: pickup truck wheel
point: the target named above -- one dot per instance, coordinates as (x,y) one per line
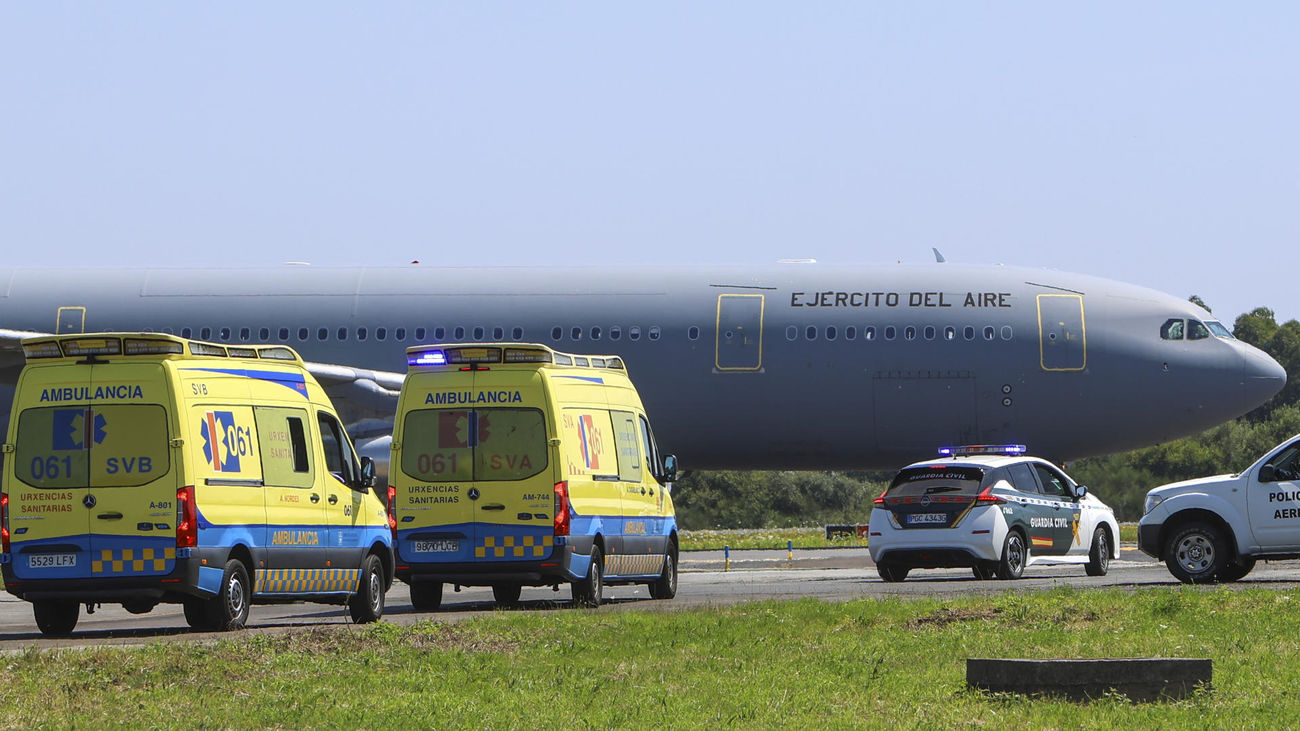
(1099,554)
(1196,552)
(1235,570)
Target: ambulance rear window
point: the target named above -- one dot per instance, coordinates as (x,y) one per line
(943,479)
(115,445)
(492,444)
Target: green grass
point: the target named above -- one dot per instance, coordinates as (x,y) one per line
(775,538)
(888,663)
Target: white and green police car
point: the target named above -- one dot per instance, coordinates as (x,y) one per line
(991,508)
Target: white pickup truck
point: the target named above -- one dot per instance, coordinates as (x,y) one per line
(1213,529)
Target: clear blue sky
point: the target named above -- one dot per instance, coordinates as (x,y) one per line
(1149,142)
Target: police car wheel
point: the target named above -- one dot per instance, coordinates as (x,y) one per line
(665,587)
(1014,557)
(507,595)
(1196,553)
(367,605)
(1235,570)
(229,608)
(892,572)
(984,571)
(1099,555)
(590,591)
(426,596)
(56,618)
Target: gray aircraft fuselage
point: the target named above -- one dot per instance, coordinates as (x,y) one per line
(778,367)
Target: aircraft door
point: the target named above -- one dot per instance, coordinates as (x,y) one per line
(1062,333)
(739,333)
(70,320)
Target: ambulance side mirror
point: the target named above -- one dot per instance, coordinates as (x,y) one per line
(670,468)
(367,473)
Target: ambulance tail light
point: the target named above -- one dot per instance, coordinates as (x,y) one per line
(562,509)
(4,522)
(187,518)
(986,497)
(392,511)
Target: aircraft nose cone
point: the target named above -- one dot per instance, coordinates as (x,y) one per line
(1262,378)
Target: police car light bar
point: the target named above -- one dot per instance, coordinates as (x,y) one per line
(972,449)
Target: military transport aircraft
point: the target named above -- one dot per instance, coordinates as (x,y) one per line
(784,366)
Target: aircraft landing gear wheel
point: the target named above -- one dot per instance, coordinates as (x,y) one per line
(665,587)
(590,592)
(426,596)
(1099,555)
(891,572)
(984,571)
(507,595)
(367,605)
(1014,557)
(229,608)
(1235,570)
(1196,553)
(56,618)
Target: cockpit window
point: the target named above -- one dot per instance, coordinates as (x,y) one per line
(1197,331)
(1218,329)
(1172,330)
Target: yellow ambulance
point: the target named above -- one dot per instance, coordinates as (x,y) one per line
(514,465)
(143,468)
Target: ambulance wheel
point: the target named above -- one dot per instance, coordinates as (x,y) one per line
(196,614)
(367,605)
(507,595)
(139,607)
(1099,555)
(56,618)
(1014,556)
(1196,553)
(426,596)
(1235,570)
(589,592)
(985,570)
(892,572)
(229,608)
(665,587)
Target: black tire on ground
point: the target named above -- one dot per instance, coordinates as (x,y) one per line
(1235,570)
(984,571)
(367,605)
(590,591)
(56,618)
(891,572)
(507,595)
(1099,554)
(1196,552)
(229,608)
(1014,556)
(426,596)
(665,587)
(196,614)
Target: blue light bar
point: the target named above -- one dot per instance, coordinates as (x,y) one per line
(1009,450)
(427,358)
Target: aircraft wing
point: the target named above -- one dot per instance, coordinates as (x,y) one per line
(11,353)
(366,399)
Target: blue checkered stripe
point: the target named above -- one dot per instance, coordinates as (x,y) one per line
(307,581)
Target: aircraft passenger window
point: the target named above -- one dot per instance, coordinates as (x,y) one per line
(830,332)
(576,333)
(205,333)
(185,332)
(810,333)
(323,334)
(950,333)
(851,332)
(498,333)
(929,332)
(869,333)
(479,332)
(634,332)
(343,333)
(225,333)
(1197,331)
(381,333)
(968,333)
(361,333)
(459,333)
(419,334)
(693,332)
(890,332)
(557,333)
(245,334)
(988,332)
(518,333)
(1171,330)
(400,334)
(615,332)
(1007,333)
(909,332)
(595,332)
(791,333)
(284,334)
(264,334)
(655,332)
